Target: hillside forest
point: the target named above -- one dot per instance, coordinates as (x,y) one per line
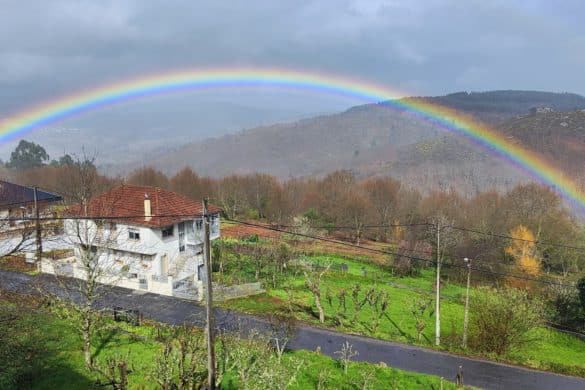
(369,210)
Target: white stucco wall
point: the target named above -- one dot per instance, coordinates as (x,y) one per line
(144,257)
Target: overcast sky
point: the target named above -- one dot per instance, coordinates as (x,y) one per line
(49,48)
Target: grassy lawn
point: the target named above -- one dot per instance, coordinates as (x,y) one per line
(51,357)
(549,350)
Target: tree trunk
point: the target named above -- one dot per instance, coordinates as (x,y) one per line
(87,339)
(320,308)
(123,376)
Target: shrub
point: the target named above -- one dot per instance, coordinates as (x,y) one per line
(567,309)
(251,238)
(581,289)
(500,320)
(404,266)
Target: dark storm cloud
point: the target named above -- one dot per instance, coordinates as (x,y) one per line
(427,47)
(58,47)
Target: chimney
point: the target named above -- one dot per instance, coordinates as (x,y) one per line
(147,209)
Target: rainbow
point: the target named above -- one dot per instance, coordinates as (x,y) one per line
(64,107)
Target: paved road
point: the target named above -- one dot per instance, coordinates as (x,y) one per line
(484,374)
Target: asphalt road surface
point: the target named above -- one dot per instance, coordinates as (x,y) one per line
(480,373)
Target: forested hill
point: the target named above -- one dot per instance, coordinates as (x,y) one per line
(558,136)
(375,139)
(454,162)
(497,106)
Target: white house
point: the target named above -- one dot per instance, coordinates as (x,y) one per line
(144,238)
(18,202)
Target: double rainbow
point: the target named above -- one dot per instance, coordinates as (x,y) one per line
(40,115)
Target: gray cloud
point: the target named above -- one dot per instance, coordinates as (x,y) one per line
(385,41)
(49,48)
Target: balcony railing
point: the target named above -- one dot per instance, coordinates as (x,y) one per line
(160,278)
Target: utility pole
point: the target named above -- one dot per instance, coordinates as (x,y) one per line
(466,316)
(38,227)
(438,288)
(209,302)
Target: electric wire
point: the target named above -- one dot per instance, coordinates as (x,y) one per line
(418,259)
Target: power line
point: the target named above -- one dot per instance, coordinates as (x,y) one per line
(336,227)
(503,236)
(470,230)
(422,251)
(481,270)
(134,217)
(200,215)
(329,227)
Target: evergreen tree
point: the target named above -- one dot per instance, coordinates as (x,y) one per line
(27,155)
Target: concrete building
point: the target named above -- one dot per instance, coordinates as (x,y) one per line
(17,202)
(144,238)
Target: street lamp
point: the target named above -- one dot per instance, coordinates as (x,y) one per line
(466,316)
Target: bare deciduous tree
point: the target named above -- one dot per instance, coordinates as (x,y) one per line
(97,262)
(253,360)
(345,355)
(182,363)
(148,176)
(16,240)
(378,300)
(116,371)
(313,275)
(420,310)
(358,303)
(96,268)
(383,195)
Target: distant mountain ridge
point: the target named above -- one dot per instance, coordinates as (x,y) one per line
(497,106)
(375,139)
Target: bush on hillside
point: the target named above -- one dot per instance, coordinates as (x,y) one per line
(566,308)
(501,319)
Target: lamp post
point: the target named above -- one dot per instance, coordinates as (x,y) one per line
(466,316)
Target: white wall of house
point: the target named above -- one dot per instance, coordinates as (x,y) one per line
(146,253)
(16,213)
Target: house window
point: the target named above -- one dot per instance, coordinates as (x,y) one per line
(167,231)
(133,234)
(199,224)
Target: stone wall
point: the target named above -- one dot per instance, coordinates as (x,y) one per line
(223,293)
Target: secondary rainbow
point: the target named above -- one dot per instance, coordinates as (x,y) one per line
(64,107)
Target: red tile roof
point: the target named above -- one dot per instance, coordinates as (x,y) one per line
(125,203)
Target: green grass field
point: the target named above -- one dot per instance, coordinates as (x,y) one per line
(549,350)
(44,352)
